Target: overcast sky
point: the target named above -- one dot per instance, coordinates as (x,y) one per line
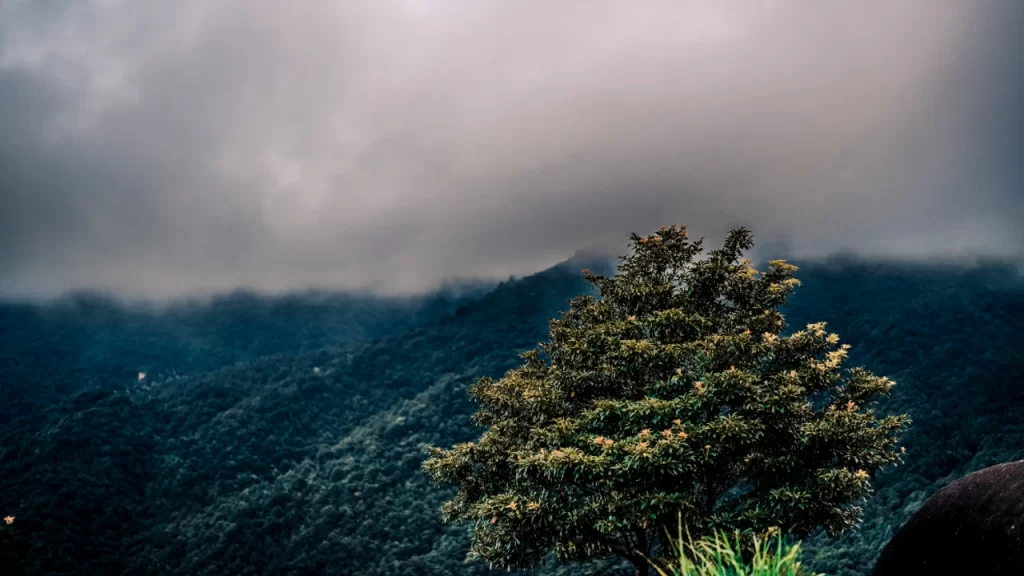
(161,148)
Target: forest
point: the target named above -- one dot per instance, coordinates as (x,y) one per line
(285,434)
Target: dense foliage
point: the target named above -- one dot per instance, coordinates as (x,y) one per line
(88,340)
(264,465)
(951,337)
(233,470)
(672,393)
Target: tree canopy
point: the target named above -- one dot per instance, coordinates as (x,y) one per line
(674,391)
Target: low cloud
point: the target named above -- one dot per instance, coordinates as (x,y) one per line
(169,148)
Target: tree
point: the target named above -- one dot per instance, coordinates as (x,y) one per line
(673,392)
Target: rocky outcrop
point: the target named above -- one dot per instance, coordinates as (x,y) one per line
(974,526)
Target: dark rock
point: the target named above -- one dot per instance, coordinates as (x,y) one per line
(971,527)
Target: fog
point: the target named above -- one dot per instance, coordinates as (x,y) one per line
(168,148)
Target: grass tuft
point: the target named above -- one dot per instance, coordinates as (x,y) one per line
(742,555)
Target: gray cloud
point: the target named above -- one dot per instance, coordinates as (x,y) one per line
(165,148)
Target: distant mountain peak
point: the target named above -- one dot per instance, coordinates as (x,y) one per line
(599,260)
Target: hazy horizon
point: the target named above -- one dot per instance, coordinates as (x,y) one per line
(456,286)
(178,148)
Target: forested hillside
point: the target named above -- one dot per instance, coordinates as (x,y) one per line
(169,475)
(85,340)
(950,338)
(290,441)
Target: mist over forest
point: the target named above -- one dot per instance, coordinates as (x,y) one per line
(253,256)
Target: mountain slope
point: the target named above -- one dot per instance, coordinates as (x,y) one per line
(950,338)
(83,340)
(308,462)
(220,438)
